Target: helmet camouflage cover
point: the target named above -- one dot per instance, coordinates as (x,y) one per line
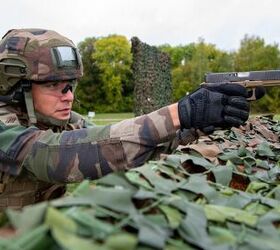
(37,55)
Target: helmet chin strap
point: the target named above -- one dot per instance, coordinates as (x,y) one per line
(30,107)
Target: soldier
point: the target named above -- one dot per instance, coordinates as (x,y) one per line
(44,145)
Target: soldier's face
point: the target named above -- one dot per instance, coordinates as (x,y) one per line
(53,99)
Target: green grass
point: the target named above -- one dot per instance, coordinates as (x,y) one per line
(110,118)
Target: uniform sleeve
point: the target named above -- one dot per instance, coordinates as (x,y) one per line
(89,153)
(15,143)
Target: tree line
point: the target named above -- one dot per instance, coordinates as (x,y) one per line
(107,84)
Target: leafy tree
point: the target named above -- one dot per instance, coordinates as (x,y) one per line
(181,84)
(200,59)
(113,57)
(178,54)
(254,54)
(106,85)
(222,62)
(88,90)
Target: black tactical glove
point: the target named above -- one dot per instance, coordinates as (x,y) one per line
(214,105)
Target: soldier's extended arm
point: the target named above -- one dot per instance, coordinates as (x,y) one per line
(72,156)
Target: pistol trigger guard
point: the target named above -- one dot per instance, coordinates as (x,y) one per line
(252,96)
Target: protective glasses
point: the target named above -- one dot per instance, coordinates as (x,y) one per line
(58,88)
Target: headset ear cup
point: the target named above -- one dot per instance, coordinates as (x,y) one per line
(11,72)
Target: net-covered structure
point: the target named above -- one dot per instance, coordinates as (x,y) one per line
(151,76)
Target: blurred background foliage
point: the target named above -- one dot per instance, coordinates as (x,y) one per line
(107,84)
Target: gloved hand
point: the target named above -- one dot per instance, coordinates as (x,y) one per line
(214,105)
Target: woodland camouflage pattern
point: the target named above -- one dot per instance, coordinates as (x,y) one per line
(220,192)
(33,45)
(86,153)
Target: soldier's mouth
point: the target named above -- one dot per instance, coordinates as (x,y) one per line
(66,110)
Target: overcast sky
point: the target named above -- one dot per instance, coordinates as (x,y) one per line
(220,22)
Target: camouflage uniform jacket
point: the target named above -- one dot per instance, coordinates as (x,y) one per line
(68,156)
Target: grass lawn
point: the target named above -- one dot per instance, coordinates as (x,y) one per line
(109,118)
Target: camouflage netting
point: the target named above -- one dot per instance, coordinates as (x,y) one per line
(151,76)
(221,192)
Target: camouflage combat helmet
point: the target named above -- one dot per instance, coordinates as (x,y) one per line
(37,55)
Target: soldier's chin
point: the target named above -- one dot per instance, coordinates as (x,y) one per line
(63,114)
(54,119)
(63,117)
